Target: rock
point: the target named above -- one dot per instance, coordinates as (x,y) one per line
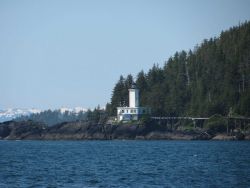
(21,130)
(88,131)
(4,131)
(139,138)
(237,136)
(203,136)
(247,137)
(223,137)
(240,136)
(168,136)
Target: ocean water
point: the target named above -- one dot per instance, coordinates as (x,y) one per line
(124,164)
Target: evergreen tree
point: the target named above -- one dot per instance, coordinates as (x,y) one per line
(211,79)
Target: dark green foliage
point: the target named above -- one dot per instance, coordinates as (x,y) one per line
(216,124)
(50,117)
(145,120)
(142,84)
(120,94)
(97,115)
(211,79)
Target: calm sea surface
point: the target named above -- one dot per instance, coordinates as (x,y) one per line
(124,164)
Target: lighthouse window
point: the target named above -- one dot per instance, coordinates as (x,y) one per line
(133,111)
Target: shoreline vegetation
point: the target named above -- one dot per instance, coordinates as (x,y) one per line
(149,130)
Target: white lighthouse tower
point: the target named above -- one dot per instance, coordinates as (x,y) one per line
(133,96)
(133,111)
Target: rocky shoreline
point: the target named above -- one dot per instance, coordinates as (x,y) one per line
(28,130)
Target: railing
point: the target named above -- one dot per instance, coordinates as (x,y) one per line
(198,118)
(191,118)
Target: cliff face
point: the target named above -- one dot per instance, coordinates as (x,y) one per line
(28,130)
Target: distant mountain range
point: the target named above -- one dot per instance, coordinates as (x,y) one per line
(12,113)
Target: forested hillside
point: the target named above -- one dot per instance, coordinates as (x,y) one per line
(214,78)
(50,117)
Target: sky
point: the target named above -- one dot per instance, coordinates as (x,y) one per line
(69,53)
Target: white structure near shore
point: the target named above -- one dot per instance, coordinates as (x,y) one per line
(133,111)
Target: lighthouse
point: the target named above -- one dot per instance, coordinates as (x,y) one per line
(133,111)
(133,96)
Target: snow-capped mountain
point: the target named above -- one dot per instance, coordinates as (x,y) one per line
(11,113)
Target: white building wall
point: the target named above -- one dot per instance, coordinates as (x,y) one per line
(133,98)
(133,112)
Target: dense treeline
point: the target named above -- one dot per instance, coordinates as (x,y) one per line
(50,117)
(214,78)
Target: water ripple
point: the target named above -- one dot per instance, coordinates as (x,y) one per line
(124,164)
